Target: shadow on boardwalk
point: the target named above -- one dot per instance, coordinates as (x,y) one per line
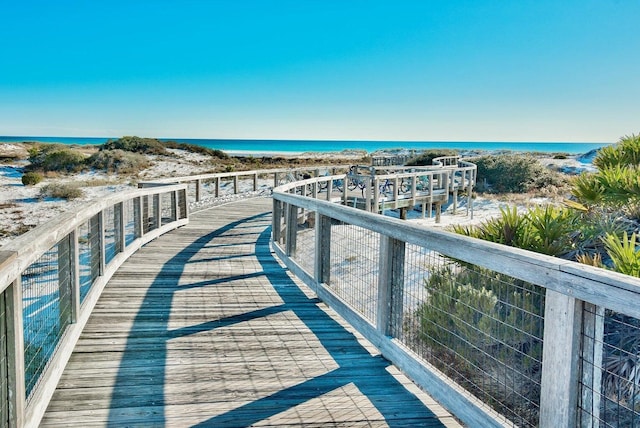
(280,359)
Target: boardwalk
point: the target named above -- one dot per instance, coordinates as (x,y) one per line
(202,327)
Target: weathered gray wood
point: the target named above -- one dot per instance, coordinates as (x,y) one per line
(292,229)
(390,286)
(323,250)
(15,357)
(218,333)
(560,354)
(594,285)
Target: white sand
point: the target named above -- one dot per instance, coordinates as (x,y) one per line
(22,209)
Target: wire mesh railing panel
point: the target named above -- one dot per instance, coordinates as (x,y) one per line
(610,386)
(110,234)
(167,213)
(4,364)
(129,222)
(182,205)
(305,242)
(354,267)
(481,328)
(46,297)
(84,260)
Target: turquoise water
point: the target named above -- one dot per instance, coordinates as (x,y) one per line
(298,146)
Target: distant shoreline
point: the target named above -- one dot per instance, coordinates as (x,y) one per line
(299,147)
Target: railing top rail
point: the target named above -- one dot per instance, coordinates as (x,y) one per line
(594,285)
(211,176)
(28,247)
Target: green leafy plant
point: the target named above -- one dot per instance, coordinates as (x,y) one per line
(624,253)
(31,178)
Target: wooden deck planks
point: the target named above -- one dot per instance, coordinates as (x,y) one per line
(203,327)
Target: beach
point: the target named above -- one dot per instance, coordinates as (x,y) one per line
(21,208)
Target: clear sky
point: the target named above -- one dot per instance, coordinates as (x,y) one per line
(512,70)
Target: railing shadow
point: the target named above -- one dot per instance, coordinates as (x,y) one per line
(146,351)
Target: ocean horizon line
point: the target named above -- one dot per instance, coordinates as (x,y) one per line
(293,146)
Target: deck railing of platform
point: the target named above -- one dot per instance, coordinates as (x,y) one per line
(213,186)
(50,280)
(499,335)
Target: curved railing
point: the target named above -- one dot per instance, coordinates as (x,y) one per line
(204,189)
(50,280)
(499,335)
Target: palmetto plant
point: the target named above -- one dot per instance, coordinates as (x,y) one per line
(624,253)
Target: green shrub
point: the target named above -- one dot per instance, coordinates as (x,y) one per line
(194,148)
(56,157)
(61,190)
(625,153)
(616,184)
(475,320)
(31,178)
(514,173)
(136,144)
(426,158)
(118,161)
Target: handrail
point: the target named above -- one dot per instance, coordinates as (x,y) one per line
(63,266)
(567,386)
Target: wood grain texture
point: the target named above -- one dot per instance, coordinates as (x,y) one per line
(204,327)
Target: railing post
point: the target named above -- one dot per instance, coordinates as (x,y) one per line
(118,214)
(276,221)
(15,354)
(157,221)
(137,217)
(95,247)
(217,186)
(255,181)
(560,355)
(292,229)
(198,189)
(322,264)
(235,184)
(390,286)
(102,242)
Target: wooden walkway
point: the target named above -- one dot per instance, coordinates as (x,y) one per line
(203,327)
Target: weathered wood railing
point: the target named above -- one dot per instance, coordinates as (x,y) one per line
(50,280)
(499,335)
(394,187)
(242,181)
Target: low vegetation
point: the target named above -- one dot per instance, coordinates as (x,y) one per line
(515,173)
(31,178)
(426,158)
(61,191)
(598,226)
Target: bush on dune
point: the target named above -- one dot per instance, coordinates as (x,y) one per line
(150,146)
(55,157)
(426,158)
(119,161)
(62,191)
(514,173)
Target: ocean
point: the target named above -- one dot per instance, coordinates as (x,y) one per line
(301,146)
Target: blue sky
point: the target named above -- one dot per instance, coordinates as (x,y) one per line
(366,70)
